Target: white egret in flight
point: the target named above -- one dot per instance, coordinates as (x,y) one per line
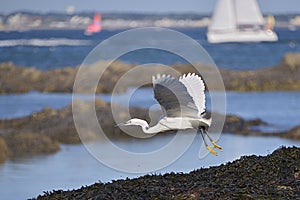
(183,105)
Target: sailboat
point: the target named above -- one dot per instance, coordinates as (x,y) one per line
(95,27)
(239,21)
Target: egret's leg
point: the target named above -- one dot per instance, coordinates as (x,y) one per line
(214,143)
(217,146)
(209,148)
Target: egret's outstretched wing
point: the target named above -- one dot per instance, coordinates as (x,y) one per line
(195,87)
(173,97)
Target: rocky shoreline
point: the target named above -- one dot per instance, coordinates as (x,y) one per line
(275,176)
(14,79)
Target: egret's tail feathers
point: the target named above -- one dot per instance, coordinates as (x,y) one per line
(206,121)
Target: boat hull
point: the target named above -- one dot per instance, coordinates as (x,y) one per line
(242,36)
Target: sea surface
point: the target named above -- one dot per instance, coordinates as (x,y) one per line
(74,166)
(48,49)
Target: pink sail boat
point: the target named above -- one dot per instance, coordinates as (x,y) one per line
(96,26)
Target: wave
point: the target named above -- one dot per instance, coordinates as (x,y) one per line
(44,42)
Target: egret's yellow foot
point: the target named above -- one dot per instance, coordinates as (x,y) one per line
(216,146)
(210,149)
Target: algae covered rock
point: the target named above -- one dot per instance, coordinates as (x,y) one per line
(275,176)
(294,133)
(3,150)
(28,144)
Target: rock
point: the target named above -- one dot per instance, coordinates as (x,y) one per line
(28,144)
(237,125)
(234,124)
(291,62)
(294,133)
(3,150)
(250,177)
(284,76)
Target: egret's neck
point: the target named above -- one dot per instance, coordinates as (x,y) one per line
(141,123)
(145,126)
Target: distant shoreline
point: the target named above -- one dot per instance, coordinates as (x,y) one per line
(20,21)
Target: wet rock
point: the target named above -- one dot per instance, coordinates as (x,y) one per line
(250,177)
(237,125)
(234,124)
(294,133)
(3,150)
(24,79)
(28,144)
(284,76)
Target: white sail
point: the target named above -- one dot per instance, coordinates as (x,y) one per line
(238,21)
(223,17)
(248,13)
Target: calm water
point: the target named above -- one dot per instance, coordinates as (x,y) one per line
(73,166)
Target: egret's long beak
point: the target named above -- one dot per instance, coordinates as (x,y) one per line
(120,124)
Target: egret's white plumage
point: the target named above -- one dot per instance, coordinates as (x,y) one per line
(195,88)
(183,103)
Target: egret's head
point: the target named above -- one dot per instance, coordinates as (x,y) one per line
(129,122)
(134,121)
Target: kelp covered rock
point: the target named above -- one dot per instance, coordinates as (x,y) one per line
(3,150)
(28,144)
(294,133)
(275,176)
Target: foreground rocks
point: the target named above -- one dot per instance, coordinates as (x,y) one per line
(275,176)
(13,79)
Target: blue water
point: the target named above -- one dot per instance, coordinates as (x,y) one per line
(54,49)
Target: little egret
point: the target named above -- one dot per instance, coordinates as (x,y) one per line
(183,105)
